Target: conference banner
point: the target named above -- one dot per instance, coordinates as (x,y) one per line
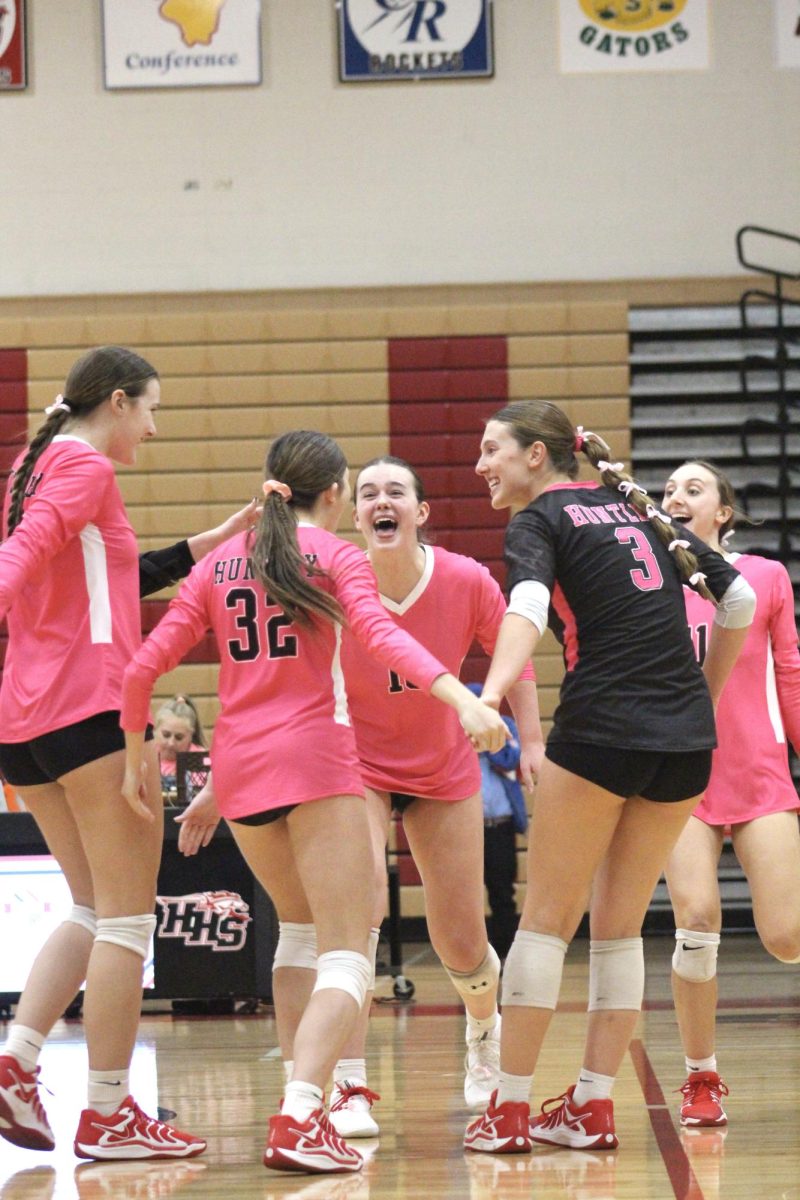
(181,43)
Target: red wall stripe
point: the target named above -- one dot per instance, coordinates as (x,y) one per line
(441,391)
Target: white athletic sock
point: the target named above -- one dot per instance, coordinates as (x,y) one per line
(702,1064)
(301,1099)
(351,1070)
(591,1085)
(514,1087)
(478,1025)
(107,1090)
(25,1045)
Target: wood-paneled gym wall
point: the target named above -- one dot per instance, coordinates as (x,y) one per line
(415,381)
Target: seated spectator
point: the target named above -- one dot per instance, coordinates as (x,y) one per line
(177,728)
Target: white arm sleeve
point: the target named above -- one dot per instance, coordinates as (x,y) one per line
(736,608)
(532,601)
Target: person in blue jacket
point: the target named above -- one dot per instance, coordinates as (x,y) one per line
(504,816)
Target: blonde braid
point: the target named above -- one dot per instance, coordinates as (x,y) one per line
(617,479)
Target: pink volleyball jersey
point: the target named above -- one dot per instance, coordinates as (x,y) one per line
(406,742)
(284,734)
(69,582)
(760,704)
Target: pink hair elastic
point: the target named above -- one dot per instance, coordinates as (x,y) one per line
(58,405)
(578,439)
(274,485)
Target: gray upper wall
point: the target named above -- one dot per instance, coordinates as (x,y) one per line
(305,182)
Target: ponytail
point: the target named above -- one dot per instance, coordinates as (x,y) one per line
(540,421)
(90,382)
(300,466)
(617,479)
(24,471)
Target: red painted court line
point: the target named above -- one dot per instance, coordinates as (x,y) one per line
(681,1176)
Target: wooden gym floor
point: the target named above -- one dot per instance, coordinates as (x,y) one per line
(222,1077)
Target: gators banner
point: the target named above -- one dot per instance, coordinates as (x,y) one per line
(633,35)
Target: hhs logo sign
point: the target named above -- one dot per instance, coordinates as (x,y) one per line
(215,919)
(414,39)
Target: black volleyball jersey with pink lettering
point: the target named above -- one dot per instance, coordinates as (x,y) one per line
(617,608)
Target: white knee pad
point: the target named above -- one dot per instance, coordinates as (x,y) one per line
(616,974)
(132,933)
(695,956)
(532,975)
(346,970)
(297,946)
(483,979)
(83,916)
(372,955)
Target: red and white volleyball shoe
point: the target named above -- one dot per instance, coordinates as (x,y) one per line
(23,1120)
(349,1111)
(311,1146)
(702,1099)
(130,1133)
(588,1127)
(503,1129)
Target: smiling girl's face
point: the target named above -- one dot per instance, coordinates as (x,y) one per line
(691,498)
(387,511)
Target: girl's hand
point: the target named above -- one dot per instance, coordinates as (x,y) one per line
(134,789)
(530,763)
(483,725)
(198,822)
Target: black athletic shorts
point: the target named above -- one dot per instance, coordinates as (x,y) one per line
(400,801)
(263,818)
(666,776)
(46,758)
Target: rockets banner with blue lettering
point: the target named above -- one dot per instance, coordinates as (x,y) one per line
(383,40)
(181,43)
(633,35)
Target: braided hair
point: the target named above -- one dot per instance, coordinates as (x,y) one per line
(91,381)
(539,421)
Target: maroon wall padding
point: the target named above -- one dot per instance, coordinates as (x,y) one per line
(441,391)
(204,652)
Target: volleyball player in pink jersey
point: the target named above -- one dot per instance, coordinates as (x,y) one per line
(750,789)
(286,771)
(69,583)
(446,601)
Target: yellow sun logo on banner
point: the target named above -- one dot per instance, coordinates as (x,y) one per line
(632,14)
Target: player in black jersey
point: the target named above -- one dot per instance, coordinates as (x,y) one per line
(628,755)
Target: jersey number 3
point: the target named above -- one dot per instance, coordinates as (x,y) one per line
(648,577)
(248,646)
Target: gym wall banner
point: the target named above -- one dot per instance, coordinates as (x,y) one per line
(389,40)
(181,43)
(787,33)
(13,66)
(633,35)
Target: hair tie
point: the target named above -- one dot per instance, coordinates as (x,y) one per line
(58,405)
(679,542)
(579,439)
(607,466)
(697,578)
(274,485)
(626,486)
(652,513)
